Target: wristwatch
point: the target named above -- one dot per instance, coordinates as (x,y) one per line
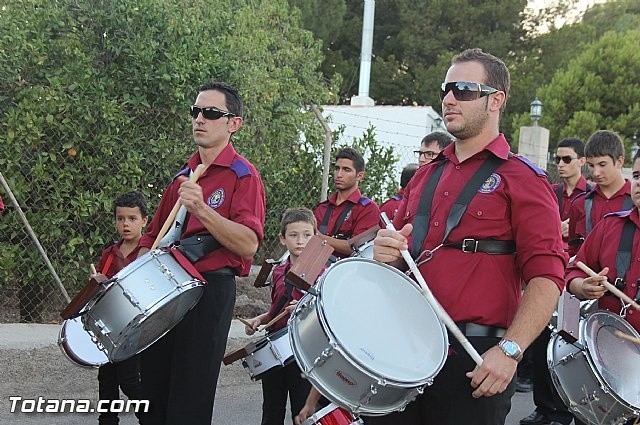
(511,349)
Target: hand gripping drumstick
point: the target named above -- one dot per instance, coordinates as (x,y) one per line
(268,325)
(172,215)
(437,308)
(615,291)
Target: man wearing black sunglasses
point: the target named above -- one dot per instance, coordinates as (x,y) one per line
(222,232)
(479,222)
(550,409)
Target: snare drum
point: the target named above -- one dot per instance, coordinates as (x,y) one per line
(332,415)
(78,345)
(598,377)
(369,341)
(142,303)
(272,351)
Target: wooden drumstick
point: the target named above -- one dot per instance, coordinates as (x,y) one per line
(611,288)
(274,320)
(437,308)
(172,215)
(245,321)
(628,337)
(93,269)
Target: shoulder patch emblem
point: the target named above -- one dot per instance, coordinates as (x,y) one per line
(216,199)
(491,183)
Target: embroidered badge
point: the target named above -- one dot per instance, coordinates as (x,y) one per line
(216,199)
(490,184)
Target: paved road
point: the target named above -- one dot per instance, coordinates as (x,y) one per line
(32,366)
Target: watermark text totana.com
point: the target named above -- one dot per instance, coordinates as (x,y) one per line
(44,405)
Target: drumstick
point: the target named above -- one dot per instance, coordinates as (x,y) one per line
(172,215)
(437,308)
(615,291)
(93,269)
(246,322)
(628,337)
(274,320)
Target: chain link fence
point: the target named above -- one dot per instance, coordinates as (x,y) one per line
(29,291)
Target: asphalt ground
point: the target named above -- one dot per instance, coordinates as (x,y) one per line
(33,366)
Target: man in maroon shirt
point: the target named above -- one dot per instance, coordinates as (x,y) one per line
(550,409)
(347,213)
(600,251)
(605,157)
(226,211)
(503,231)
(431,145)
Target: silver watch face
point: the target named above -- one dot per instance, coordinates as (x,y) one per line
(510,348)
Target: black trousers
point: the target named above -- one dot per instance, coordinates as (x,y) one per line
(275,387)
(180,371)
(448,401)
(545,395)
(112,377)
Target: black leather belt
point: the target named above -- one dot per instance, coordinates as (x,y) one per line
(488,246)
(473,329)
(224,271)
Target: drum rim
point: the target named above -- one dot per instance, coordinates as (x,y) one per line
(72,356)
(323,412)
(588,343)
(350,357)
(199,286)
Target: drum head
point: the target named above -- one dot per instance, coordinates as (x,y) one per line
(77,345)
(616,360)
(378,316)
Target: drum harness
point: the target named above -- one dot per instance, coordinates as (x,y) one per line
(627,204)
(623,262)
(468,245)
(343,216)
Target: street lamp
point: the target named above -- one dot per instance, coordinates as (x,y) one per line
(634,147)
(536,111)
(437,125)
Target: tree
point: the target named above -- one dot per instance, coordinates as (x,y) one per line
(598,89)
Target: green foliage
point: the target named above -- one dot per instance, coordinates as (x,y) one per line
(94,97)
(598,89)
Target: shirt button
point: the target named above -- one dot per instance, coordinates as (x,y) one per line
(436,224)
(629,311)
(446,194)
(633,285)
(457,167)
(479,213)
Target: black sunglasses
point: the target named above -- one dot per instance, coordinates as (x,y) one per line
(466,91)
(566,159)
(209,112)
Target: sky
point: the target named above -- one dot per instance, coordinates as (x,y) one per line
(581,6)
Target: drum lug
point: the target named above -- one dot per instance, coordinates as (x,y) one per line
(104,330)
(276,354)
(324,356)
(128,295)
(167,273)
(569,357)
(373,390)
(589,398)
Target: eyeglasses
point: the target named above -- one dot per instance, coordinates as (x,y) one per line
(209,112)
(566,159)
(426,154)
(465,91)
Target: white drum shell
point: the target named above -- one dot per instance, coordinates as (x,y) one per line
(142,303)
(78,345)
(273,351)
(363,379)
(587,375)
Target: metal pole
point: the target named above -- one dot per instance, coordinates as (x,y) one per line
(326,161)
(34,238)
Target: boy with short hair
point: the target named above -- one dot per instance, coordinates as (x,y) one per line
(131,216)
(298,225)
(605,156)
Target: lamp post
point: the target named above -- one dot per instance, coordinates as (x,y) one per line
(634,146)
(438,124)
(536,111)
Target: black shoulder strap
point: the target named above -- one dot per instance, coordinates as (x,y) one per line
(627,204)
(325,219)
(421,220)
(343,216)
(588,205)
(285,298)
(559,190)
(623,257)
(423,213)
(469,191)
